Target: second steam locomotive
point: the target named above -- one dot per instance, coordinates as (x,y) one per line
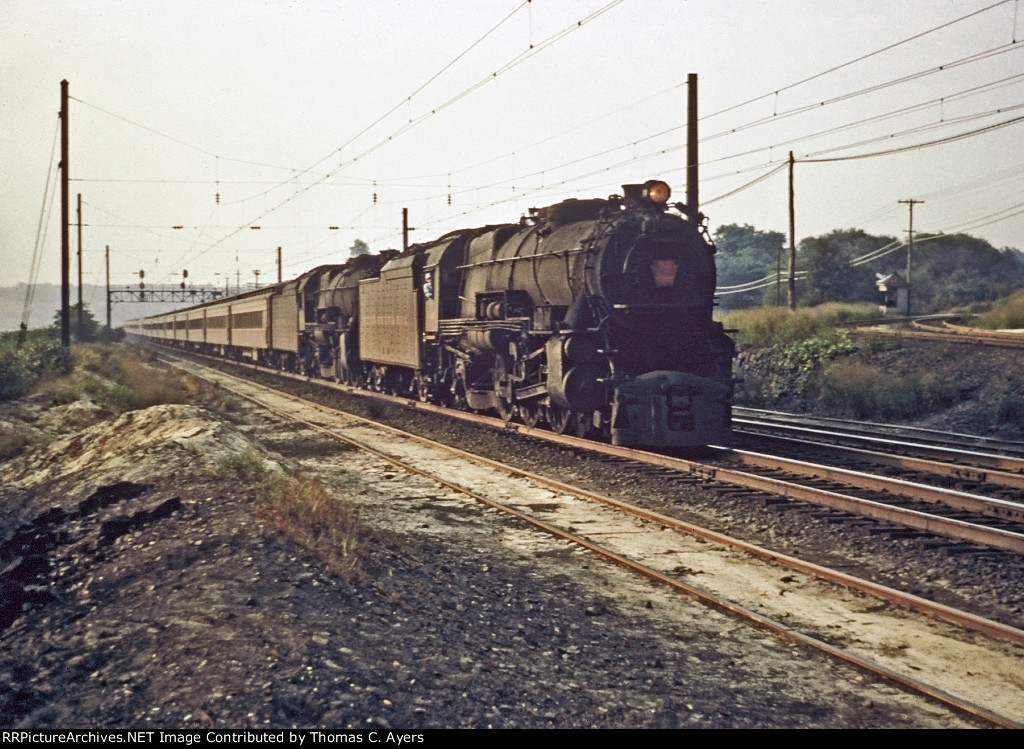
(594,316)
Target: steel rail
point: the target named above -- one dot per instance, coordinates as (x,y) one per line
(991,506)
(1006,335)
(979,624)
(951,528)
(924,465)
(984,340)
(987,460)
(898,431)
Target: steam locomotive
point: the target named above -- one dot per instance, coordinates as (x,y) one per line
(594,316)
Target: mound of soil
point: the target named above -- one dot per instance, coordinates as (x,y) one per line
(984,378)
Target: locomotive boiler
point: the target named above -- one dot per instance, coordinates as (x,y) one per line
(592,315)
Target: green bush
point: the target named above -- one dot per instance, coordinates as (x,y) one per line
(37,358)
(858,390)
(793,365)
(250,467)
(303,509)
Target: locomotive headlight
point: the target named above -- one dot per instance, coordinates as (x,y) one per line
(657,191)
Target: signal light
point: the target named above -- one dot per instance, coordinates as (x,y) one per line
(657,191)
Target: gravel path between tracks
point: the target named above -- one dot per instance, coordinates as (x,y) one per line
(156,596)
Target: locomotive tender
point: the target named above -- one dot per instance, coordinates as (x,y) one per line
(594,316)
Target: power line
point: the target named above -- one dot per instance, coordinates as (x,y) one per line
(41,230)
(903,110)
(916,146)
(861,58)
(505,68)
(180,142)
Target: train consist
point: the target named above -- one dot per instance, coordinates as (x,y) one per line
(594,316)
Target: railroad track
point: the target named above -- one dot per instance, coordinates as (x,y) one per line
(965,661)
(960,522)
(929,442)
(945,461)
(942,330)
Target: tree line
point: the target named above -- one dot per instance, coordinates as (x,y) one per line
(948,270)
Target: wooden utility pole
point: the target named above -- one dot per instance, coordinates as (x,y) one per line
(792,239)
(279,265)
(81,322)
(405,229)
(910,243)
(65,245)
(108,286)
(692,185)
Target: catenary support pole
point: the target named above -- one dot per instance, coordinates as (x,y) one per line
(910,244)
(692,171)
(65,248)
(108,286)
(81,313)
(792,239)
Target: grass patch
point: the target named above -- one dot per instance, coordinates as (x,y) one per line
(11,444)
(301,508)
(779,326)
(113,376)
(125,379)
(855,389)
(1009,313)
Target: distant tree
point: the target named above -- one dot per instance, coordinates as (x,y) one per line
(91,328)
(746,254)
(359,247)
(958,269)
(946,271)
(830,277)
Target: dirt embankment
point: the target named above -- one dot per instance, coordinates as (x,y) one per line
(982,386)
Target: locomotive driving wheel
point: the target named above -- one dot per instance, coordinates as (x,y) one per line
(558,418)
(531,412)
(582,424)
(378,379)
(503,389)
(424,387)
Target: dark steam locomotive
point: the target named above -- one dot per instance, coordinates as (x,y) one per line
(594,316)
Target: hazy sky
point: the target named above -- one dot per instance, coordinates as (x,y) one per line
(218,115)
